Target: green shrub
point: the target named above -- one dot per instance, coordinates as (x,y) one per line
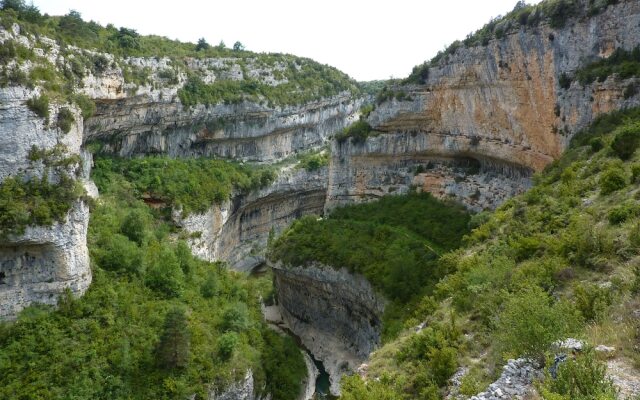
(119,254)
(314,161)
(564,81)
(626,140)
(65,119)
(283,364)
(236,318)
(531,321)
(620,214)
(358,131)
(354,388)
(192,184)
(135,225)
(86,104)
(227,344)
(612,179)
(630,91)
(164,274)
(592,301)
(581,378)
(596,144)
(40,106)
(34,202)
(209,288)
(560,11)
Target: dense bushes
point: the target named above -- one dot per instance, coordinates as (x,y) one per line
(358,132)
(311,82)
(394,242)
(531,321)
(626,140)
(192,184)
(34,202)
(145,329)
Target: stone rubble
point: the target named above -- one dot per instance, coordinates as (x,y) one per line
(514,383)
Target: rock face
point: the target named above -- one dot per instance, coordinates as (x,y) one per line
(38,265)
(336,315)
(514,383)
(143,124)
(500,105)
(237,231)
(396,162)
(241,390)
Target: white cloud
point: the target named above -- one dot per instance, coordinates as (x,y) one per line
(367,39)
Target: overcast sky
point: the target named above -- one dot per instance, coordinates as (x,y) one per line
(367,39)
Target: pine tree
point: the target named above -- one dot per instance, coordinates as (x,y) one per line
(173,348)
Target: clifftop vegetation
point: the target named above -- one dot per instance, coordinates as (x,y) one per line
(272,79)
(192,185)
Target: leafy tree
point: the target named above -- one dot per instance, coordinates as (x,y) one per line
(164,274)
(18,5)
(221,45)
(236,318)
(202,45)
(127,38)
(627,140)
(237,46)
(227,344)
(134,226)
(173,349)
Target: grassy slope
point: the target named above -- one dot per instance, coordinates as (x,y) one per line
(105,344)
(560,260)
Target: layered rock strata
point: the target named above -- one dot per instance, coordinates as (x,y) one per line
(143,124)
(501,104)
(336,315)
(237,231)
(37,265)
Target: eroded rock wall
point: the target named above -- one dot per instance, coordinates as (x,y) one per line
(237,231)
(39,264)
(147,124)
(396,163)
(336,315)
(501,105)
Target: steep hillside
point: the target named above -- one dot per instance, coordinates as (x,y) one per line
(559,261)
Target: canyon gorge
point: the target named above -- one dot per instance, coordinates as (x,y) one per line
(481,124)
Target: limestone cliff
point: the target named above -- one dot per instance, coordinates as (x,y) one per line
(336,315)
(143,124)
(40,263)
(237,231)
(500,106)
